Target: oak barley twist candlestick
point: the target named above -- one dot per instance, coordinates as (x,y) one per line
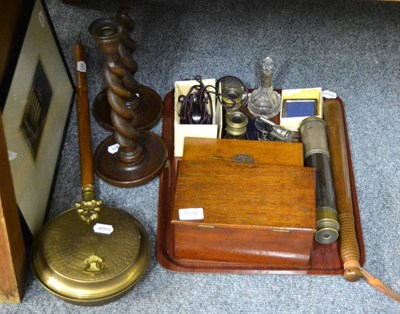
(148,105)
(141,154)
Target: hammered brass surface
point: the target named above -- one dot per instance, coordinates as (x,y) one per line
(88,268)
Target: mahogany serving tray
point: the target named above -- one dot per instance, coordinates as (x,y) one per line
(325,259)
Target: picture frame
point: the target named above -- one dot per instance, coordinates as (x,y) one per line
(36,93)
(35,114)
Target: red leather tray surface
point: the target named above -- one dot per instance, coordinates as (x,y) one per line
(325,259)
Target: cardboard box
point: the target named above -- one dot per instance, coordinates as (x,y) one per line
(293,123)
(194,130)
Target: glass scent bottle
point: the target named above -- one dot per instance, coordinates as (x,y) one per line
(236,125)
(264,101)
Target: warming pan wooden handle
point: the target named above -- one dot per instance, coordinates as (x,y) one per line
(85,143)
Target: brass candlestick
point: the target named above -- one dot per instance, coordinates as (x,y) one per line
(142,154)
(149,107)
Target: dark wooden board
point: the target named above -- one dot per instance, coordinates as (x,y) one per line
(14,21)
(325,259)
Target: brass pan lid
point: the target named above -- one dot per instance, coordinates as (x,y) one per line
(91,257)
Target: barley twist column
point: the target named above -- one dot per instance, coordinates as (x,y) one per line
(141,154)
(149,105)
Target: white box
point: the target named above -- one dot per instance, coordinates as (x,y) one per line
(293,123)
(181,131)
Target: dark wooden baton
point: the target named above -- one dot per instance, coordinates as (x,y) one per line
(349,248)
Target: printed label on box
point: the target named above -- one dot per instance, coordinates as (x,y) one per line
(191,214)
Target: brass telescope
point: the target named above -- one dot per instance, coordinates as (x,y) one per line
(316,154)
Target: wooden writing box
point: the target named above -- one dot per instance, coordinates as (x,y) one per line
(258,202)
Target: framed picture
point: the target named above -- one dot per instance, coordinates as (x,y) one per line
(34,114)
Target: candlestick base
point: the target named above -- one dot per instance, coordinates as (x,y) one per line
(118,173)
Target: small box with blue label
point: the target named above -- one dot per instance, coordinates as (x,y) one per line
(298,104)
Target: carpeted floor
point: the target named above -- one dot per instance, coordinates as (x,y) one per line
(347,46)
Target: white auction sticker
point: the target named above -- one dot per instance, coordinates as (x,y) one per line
(103,228)
(81,66)
(191,214)
(329,94)
(12,155)
(112,149)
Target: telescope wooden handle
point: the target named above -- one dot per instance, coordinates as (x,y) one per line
(349,249)
(82,101)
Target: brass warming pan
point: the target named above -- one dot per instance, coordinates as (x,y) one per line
(91,254)
(88,268)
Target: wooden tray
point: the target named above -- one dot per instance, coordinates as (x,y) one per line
(325,259)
